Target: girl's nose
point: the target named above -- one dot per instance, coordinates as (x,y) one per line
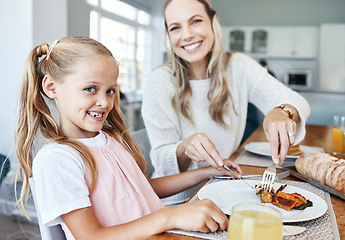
(102,100)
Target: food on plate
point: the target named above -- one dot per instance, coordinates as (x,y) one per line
(323,168)
(286,201)
(266,197)
(294,150)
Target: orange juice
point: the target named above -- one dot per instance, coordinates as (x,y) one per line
(254,225)
(338,141)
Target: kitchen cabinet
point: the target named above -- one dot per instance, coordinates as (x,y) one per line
(259,40)
(293,42)
(278,42)
(247,39)
(332,58)
(237,40)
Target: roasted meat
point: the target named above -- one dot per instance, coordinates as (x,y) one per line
(286,201)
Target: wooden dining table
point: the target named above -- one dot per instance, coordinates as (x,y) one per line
(316,136)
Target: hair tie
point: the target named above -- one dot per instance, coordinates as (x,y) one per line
(50,49)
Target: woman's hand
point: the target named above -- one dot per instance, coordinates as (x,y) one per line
(198,148)
(203,216)
(280,131)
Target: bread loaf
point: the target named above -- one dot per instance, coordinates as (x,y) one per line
(334,174)
(323,168)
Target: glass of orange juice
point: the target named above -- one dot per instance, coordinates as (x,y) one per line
(252,221)
(338,138)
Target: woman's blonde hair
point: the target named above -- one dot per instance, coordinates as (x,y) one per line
(35,117)
(219,94)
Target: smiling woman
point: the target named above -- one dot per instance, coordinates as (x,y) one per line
(189,33)
(195,105)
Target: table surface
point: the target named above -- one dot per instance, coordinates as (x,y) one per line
(317,136)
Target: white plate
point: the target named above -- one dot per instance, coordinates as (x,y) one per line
(264,148)
(226,194)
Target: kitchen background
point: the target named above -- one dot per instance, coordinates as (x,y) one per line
(305,37)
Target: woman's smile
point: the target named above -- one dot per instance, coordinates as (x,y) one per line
(192,47)
(190,32)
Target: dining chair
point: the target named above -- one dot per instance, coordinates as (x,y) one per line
(140,136)
(47,233)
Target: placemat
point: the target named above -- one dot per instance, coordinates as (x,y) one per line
(252,159)
(324,227)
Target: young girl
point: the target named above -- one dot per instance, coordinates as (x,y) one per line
(89,175)
(195,106)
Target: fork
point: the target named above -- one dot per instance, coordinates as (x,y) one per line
(268,177)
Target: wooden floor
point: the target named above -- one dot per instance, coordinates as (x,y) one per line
(16,229)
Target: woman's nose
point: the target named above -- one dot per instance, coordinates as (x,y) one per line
(187,33)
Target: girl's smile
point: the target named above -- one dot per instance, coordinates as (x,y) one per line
(98,116)
(86,97)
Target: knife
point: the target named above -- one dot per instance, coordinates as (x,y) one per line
(228,169)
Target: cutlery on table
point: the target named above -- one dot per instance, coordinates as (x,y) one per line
(279,176)
(289,230)
(230,177)
(268,177)
(228,169)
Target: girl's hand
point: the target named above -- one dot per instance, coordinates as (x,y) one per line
(199,148)
(280,131)
(203,216)
(236,170)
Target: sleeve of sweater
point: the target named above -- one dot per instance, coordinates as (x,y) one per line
(266,92)
(161,122)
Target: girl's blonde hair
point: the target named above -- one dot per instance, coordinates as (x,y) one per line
(219,94)
(35,116)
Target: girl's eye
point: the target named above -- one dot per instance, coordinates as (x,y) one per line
(111,91)
(90,89)
(196,21)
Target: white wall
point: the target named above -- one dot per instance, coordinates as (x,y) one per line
(15,42)
(23,24)
(49,20)
(279,12)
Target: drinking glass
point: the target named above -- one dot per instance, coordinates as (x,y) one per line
(252,221)
(338,139)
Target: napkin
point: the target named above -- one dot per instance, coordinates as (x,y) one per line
(251,159)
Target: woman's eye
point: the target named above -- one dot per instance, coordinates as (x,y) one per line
(90,89)
(173,29)
(196,21)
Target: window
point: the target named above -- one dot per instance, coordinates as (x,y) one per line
(127,32)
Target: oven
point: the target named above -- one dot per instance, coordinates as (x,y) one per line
(298,79)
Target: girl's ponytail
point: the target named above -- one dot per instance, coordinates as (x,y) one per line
(34,114)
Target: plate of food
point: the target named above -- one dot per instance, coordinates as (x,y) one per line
(226,194)
(264,148)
